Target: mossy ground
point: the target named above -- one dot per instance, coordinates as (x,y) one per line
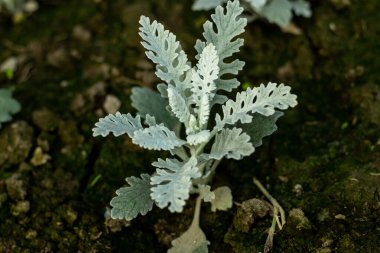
(324,159)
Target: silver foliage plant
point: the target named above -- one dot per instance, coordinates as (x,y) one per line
(179,118)
(279,12)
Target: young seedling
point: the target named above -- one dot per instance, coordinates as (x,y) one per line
(179,119)
(279,12)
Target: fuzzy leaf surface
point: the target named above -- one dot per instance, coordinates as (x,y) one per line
(222,200)
(205,5)
(178,105)
(205,193)
(157,137)
(133,199)
(117,124)
(202,83)
(226,24)
(164,50)
(198,138)
(278,12)
(263,100)
(231,143)
(192,241)
(172,182)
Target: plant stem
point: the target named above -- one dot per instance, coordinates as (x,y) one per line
(212,170)
(276,206)
(197,212)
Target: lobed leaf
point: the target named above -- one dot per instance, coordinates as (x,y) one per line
(133,199)
(206,5)
(117,124)
(171,185)
(278,12)
(263,100)
(205,193)
(202,82)
(165,51)
(231,143)
(178,105)
(156,137)
(198,138)
(228,24)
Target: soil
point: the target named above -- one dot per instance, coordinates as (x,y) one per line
(78,60)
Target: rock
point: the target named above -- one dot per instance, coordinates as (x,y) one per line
(298,219)
(298,190)
(248,211)
(367,101)
(31,234)
(86,100)
(58,58)
(81,33)
(21,207)
(111,104)
(112,224)
(45,119)
(39,157)
(71,215)
(16,187)
(16,141)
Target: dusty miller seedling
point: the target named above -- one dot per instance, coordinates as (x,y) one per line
(279,12)
(178,119)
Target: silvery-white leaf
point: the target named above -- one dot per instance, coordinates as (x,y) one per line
(150,120)
(205,193)
(301,8)
(198,138)
(206,4)
(263,100)
(257,5)
(117,124)
(165,51)
(171,184)
(222,200)
(178,105)
(227,24)
(202,82)
(192,240)
(133,199)
(278,12)
(156,137)
(205,73)
(231,143)
(162,88)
